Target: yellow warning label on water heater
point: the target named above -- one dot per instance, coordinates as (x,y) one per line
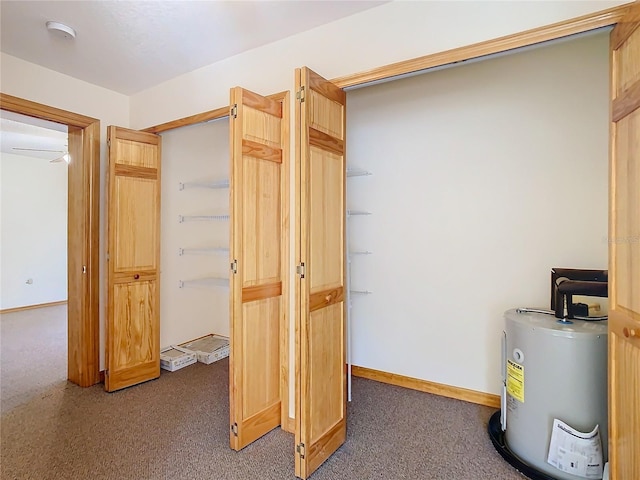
(515,380)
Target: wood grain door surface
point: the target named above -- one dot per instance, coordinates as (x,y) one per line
(320,323)
(133,252)
(256,284)
(624,250)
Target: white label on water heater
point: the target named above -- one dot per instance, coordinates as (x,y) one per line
(576,452)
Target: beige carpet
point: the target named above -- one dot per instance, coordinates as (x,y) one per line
(176,427)
(33,353)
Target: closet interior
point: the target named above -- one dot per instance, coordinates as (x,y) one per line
(485,175)
(195,227)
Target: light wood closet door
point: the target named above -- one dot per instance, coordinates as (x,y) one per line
(257,305)
(624,251)
(133,252)
(320,324)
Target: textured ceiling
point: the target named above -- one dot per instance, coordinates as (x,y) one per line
(129,46)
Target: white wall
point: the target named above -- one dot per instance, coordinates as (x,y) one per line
(32,82)
(392,32)
(485,176)
(195,154)
(33,231)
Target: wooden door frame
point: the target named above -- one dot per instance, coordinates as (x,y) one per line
(555,31)
(83,235)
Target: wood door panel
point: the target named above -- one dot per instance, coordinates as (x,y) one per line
(136,226)
(254,101)
(255,426)
(627,228)
(133,248)
(624,250)
(249,294)
(261,379)
(320,323)
(325,298)
(629,62)
(326,353)
(261,222)
(260,150)
(329,443)
(131,376)
(257,225)
(625,403)
(326,231)
(262,127)
(326,114)
(134,153)
(134,327)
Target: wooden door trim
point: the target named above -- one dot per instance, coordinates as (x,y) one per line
(448,391)
(208,116)
(83,240)
(585,23)
(203,117)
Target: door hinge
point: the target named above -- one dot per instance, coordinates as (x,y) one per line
(234,429)
(234,266)
(109,143)
(300,270)
(300,449)
(300,94)
(108,257)
(234,111)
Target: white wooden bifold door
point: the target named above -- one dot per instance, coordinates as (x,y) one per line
(321,280)
(624,250)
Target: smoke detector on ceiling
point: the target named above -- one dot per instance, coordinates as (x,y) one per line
(61,29)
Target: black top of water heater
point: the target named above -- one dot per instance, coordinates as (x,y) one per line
(566,282)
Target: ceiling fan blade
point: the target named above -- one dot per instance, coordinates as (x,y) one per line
(61,158)
(38,150)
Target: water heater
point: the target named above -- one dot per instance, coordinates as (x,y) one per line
(553,422)
(561,373)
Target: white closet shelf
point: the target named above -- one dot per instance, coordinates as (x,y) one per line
(360,292)
(351,213)
(218,184)
(189,218)
(205,282)
(357,172)
(205,250)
